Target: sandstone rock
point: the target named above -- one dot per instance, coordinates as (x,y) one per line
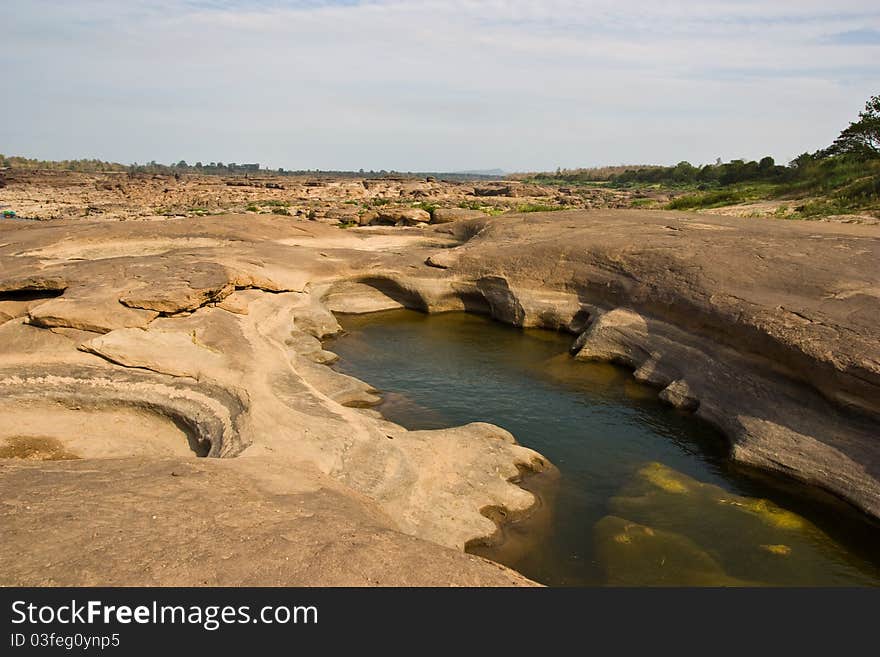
(401,216)
(511,189)
(198,283)
(636,555)
(770,325)
(85,315)
(348,297)
(756,410)
(446,215)
(288,525)
(679,394)
(368,218)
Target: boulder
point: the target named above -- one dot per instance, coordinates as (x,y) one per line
(368,218)
(401,216)
(446,215)
(512,190)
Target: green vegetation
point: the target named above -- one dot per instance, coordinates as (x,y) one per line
(843,178)
(281,210)
(491,210)
(538,207)
(720,197)
(85,166)
(587,176)
(252,208)
(427,207)
(643,203)
(273,203)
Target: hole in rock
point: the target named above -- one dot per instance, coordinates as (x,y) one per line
(53,431)
(29,295)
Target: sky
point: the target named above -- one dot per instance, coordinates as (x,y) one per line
(432,85)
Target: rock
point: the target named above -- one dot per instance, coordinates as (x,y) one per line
(83,314)
(32,283)
(288,526)
(511,189)
(770,325)
(494,189)
(636,555)
(446,215)
(401,216)
(358,298)
(679,394)
(368,218)
(199,283)
(441,259)
(678,304)
(661,510)
(756,410)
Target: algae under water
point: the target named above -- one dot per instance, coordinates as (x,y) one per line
(647,495)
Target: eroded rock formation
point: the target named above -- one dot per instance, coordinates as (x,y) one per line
(207,330)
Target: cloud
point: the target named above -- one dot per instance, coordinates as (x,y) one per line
(432,85)
(856,38)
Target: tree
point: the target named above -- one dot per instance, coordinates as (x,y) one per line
(862,137)
(766,163)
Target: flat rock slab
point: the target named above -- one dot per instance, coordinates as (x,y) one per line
(211,326)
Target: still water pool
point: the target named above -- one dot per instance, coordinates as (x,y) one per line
(646,495)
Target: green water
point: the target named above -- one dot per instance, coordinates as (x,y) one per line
(646,495)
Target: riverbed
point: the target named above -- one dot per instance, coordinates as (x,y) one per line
(646,496)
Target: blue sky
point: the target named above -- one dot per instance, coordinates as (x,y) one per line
(431,85)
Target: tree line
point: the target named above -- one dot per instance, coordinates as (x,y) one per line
(858,143)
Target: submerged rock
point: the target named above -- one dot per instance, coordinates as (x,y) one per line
(638,555)
(669,510)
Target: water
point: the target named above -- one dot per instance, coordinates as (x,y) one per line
(646,495)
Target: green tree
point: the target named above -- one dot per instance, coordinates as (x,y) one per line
(862,137)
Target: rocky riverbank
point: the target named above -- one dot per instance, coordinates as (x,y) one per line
(130,346)
(387,200)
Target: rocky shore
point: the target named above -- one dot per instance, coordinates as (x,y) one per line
(389,200)
(129,347)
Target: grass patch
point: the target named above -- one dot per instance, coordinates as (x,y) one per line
(720,197)
(539,207)
(283,211)
(643,203)
(491,210)
(252,208)
(273,203)
(427,207)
